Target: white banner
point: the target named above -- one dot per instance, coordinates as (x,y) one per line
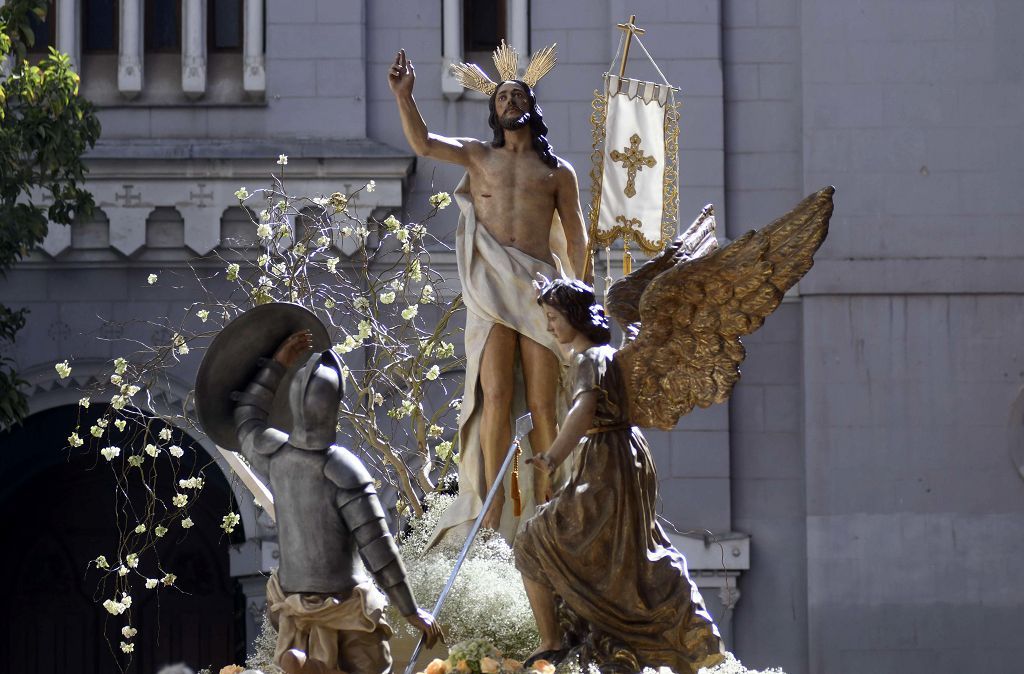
(635,191)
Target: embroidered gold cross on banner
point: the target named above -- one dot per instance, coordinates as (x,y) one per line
(633,160)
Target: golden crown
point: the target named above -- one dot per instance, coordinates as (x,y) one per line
(506,60)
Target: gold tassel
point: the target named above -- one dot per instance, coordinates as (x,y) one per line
(627,259)
(517,497)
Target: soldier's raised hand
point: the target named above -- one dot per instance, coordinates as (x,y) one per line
(293,348)
(424,622)
(401,75)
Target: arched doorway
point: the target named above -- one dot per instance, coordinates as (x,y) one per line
(56,515)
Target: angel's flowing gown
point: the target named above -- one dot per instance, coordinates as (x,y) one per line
(599,547)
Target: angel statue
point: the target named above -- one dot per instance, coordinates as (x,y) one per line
(597,551)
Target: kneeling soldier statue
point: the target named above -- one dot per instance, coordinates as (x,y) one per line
(329,616)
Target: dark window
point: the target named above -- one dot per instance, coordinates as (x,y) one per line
(483,25)
(163,25)
(224,25)
(99,26)
(45,31)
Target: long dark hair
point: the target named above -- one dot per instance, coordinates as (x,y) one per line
(576,300)
(538,129)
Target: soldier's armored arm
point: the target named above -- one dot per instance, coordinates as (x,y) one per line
(257,440)
(361,510)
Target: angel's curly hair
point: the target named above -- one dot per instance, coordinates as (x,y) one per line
(577,302)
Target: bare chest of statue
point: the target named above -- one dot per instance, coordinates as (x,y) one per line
(514,195)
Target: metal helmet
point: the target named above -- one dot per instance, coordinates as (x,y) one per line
(313,396)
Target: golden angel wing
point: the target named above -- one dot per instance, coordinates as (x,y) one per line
(688,350)
(622,301)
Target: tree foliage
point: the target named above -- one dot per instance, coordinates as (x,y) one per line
(45,128)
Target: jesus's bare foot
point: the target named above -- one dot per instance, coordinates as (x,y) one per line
(492,520)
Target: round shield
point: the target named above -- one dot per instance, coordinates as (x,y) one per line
(232,360)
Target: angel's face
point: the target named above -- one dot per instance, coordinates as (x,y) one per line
(559,326)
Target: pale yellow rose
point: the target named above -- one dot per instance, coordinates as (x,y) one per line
(542,667)
(438,666)
(512,665)
(489,665)
(463,667)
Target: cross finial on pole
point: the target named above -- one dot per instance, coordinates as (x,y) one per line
(631,29)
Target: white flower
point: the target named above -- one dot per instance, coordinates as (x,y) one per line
(263,231)
(127,647)
(118,402)
(203,314)
(396,284)
(402,235)
(165,433)
(120,365)
(120,423)
(242,194)
(135,461)
(168,579)
(132,560)
(321,201)
(141,529)
(151,279)
(387,297)
(433,372)
(150,583)
(180,500)
(299,249)
(187,523)
(116,379)
(101,562)
(415,271)
(191,483)
(371,186)
(441,200)
(122,571)
(114,607)
(160,531)
(75,441)
(233,272)
(282,160)
(176,451)
(360,303)
(392,224)
(443,449)
(410,312)
(361,232)
(323,241)
(435,431)
(332,264)
(378,399)
(96,431)
(262,260)
(365,329)
(264,215)
(284,230)
(183,350)
(151,450)
(109,453)
(130,390)
(329,303)
(63,370)
(346,231)
(128,632)
(446,350)
(230,521)
(427,295)
(456,404)
(84,403)
(102,423)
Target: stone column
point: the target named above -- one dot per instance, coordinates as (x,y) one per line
(517,15)
(451,48)
(69,31)
(254,74)
(129,60)
(193,48)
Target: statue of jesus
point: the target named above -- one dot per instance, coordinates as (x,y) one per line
(520,216)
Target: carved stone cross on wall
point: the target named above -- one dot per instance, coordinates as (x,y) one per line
(130,198)
(633,160)
(200,198)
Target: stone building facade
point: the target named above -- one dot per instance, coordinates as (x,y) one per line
(860,482)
